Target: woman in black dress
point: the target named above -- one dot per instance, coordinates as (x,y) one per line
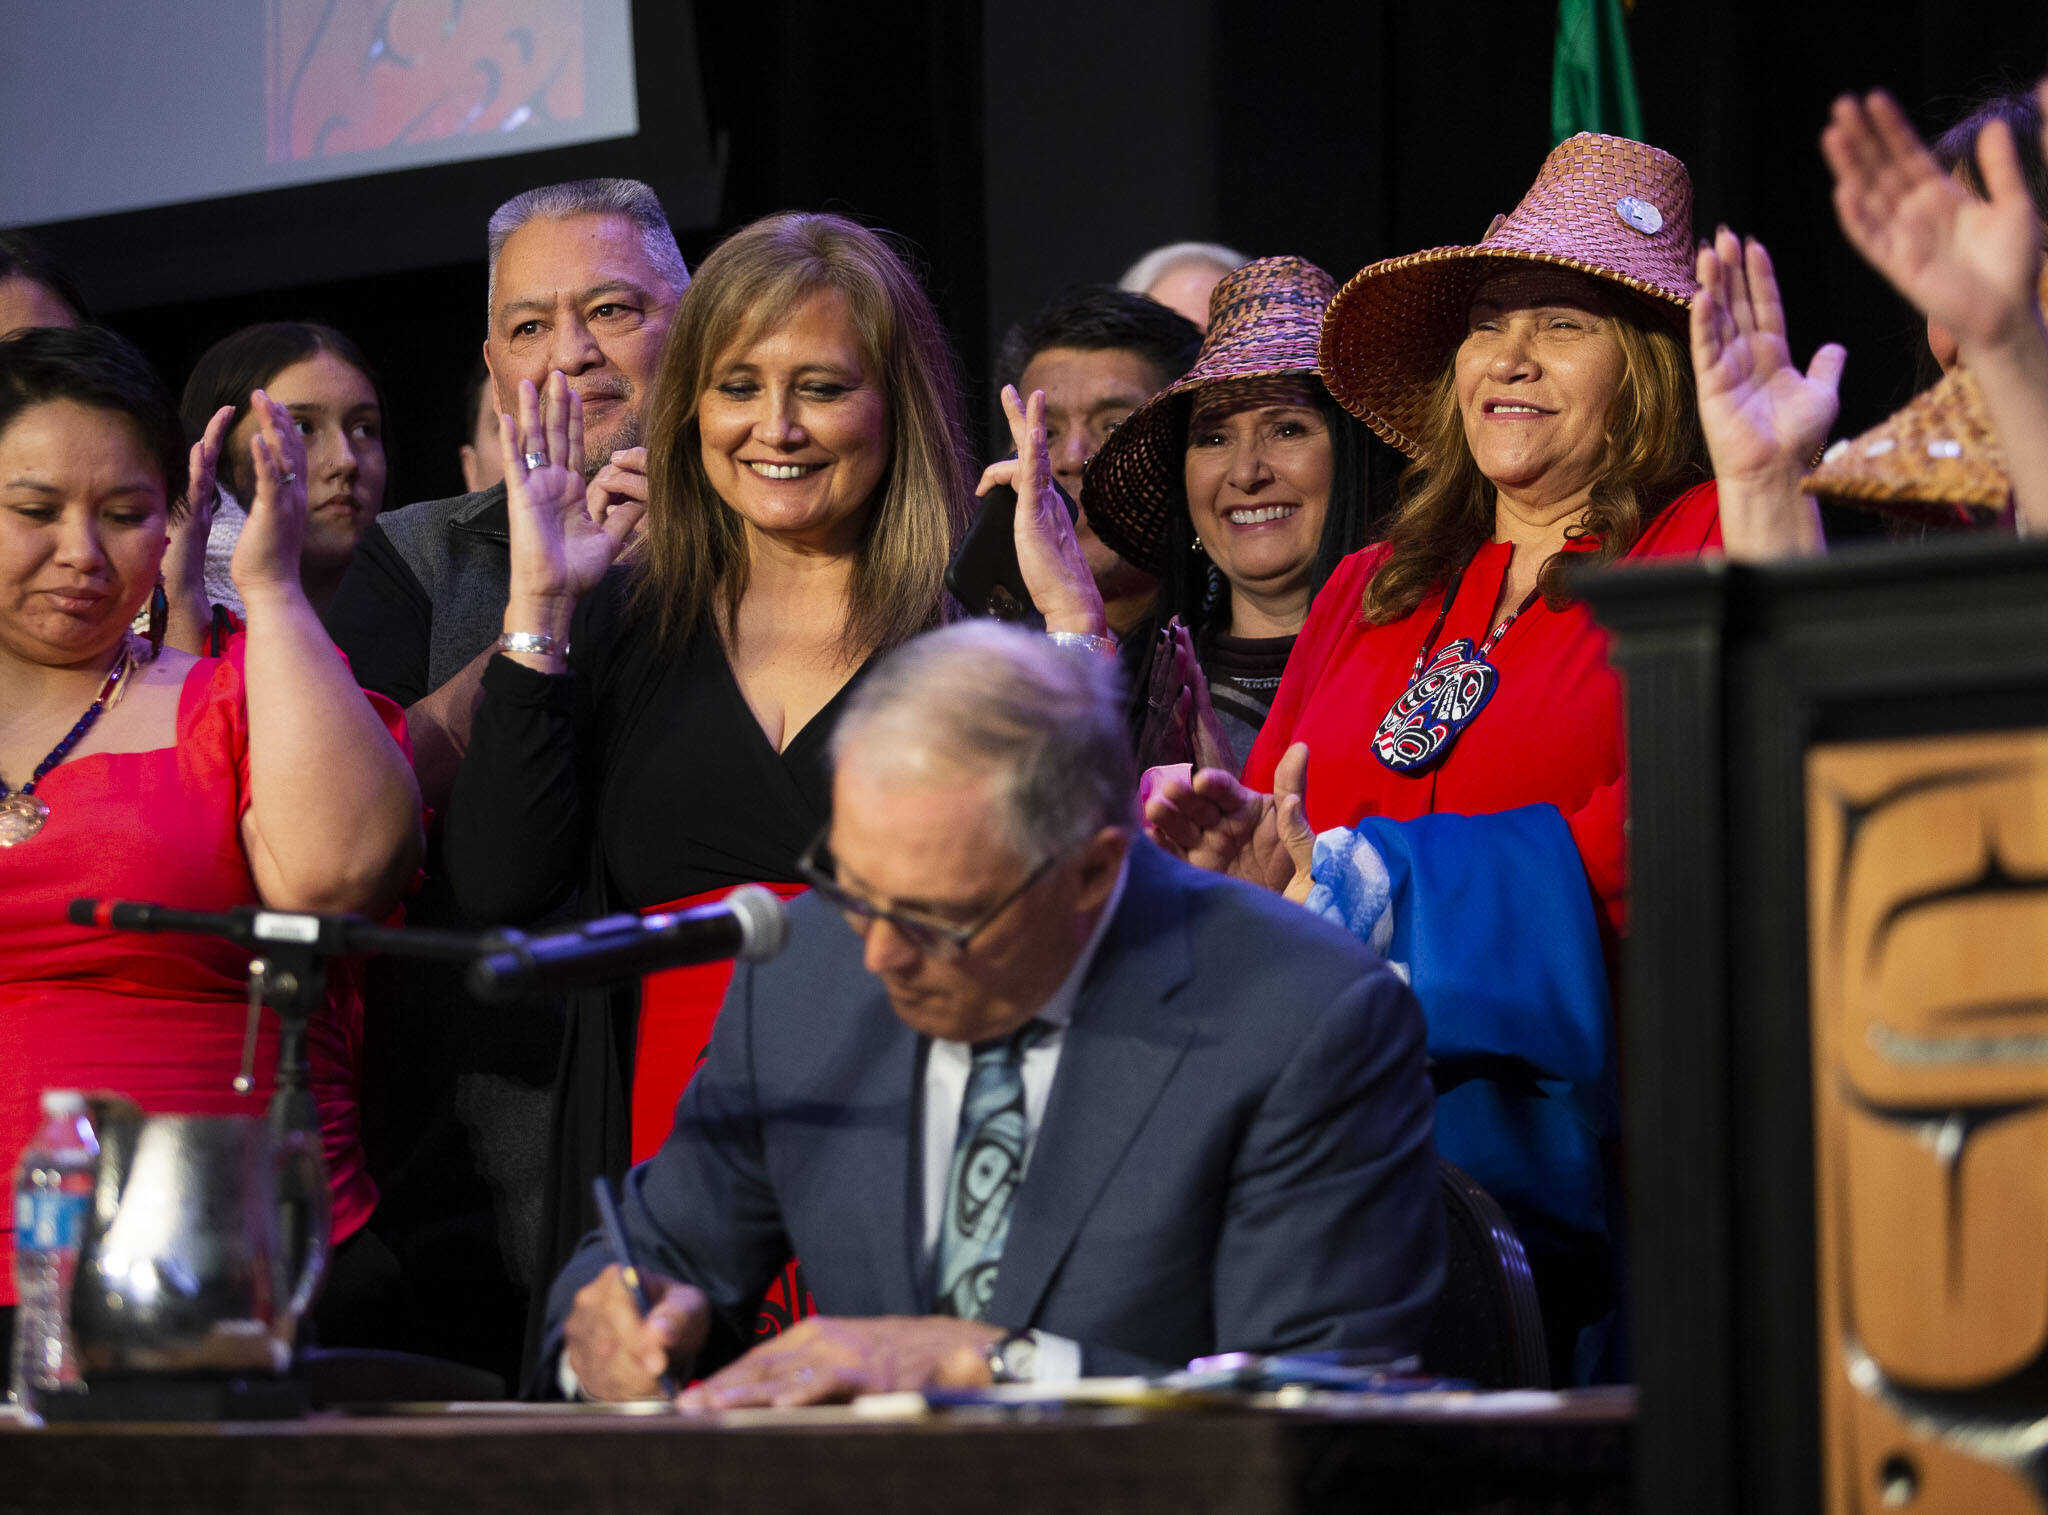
(809,474)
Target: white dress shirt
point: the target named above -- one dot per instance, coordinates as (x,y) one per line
(945,1088)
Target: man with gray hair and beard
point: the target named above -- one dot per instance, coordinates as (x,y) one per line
(1029,1098)
(584,278)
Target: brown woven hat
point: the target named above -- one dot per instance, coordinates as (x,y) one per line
(1265,319)
(1607,206)
(1935,458)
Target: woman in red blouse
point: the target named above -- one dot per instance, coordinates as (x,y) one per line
(1449,721)
(132,772)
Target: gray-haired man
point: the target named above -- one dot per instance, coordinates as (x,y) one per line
(1055,1104)
(584,281)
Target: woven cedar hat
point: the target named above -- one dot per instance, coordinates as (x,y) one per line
(1265,320)
(1607,206)
(1935,455)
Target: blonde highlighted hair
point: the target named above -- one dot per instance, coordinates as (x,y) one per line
(1446,505)
(693,565)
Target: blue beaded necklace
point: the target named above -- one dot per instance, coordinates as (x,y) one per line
(21,813)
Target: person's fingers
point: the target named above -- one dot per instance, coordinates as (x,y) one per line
(1827,365)
(1004,472)
(1220,787)
(532,436)
(622,520)
(1705,339)
(1767,305)
(1860,136)
(674,1321)
(1295,833)
(824,1385)
(610,1348)
(1728,249)
(573,457)
(1165,821)
(1998,160)
(1899,144)
(1290,774)
(215,437)
(555,417)
(511,454)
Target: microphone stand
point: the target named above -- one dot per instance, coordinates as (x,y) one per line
(289,973)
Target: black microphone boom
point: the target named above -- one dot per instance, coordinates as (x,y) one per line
(747,924)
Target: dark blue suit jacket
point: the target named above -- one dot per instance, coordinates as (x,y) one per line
(1236,1154)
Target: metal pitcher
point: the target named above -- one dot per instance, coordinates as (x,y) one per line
(207,1239)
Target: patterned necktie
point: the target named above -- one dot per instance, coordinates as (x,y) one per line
(988,1165)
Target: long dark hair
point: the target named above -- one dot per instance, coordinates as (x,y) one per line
(249,359)
(1193,588)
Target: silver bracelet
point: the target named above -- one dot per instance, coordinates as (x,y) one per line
(530,641)
(1086,641)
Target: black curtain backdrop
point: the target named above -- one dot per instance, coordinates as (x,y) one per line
(1021,149)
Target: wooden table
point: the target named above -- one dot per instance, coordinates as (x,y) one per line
(1548,1453)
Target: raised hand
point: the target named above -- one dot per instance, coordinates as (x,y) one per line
(1761,415)
(266,559)
(1970,265)
(185,560)
(1048,554)
(558,552)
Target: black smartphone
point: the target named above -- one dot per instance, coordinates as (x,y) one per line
(984,576)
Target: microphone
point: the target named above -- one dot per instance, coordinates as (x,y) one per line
(748,924)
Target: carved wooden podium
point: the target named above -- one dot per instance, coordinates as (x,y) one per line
(1836,1029)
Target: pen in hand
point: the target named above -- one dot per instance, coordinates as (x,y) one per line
(622,1254)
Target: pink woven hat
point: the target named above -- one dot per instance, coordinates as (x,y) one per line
(1265,321)
(1610,207)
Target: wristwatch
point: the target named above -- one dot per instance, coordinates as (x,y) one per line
(1014,1358)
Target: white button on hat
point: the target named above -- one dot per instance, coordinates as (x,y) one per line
(1944,449)
(1640,214)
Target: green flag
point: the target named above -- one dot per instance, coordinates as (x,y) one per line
(1592,83)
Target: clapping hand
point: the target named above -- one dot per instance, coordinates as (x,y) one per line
(1970,265)
(1048,553)
(266,558)
(185,559)
(1213,821)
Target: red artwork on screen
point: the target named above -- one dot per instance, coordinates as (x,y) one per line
(348,76)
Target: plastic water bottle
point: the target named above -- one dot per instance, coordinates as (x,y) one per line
(53,1190)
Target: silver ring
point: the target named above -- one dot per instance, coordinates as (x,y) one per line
(535,460)
(289,478)
(803,1375)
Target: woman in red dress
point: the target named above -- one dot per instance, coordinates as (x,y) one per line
(131,772)
(1448,719)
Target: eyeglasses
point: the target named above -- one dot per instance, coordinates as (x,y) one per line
(941,938)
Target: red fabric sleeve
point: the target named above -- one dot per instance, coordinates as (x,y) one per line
(1336,607)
